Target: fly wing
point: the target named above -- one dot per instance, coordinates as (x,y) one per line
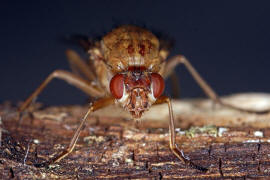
(78,65)
(166,44)
(78,40)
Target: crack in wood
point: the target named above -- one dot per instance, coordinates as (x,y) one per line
(220,167)
(225,147)
(157,149)
(253,156)
(133,155)
(148,167)
(259,147)
(259,167)
(160,176)
(121,134)
(209,150)
(11,172)
(36,154)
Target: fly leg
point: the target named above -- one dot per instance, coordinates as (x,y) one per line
(70,78)
(99,104)
(179,59)
(173,146)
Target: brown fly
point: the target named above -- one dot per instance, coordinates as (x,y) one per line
(129,70)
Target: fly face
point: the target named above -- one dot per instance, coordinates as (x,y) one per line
(136,89)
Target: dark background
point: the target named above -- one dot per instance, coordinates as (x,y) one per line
(227,41)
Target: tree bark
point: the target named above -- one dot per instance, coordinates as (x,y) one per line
(230,144)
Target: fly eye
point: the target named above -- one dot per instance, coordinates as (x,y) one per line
(117,85)
(157,84)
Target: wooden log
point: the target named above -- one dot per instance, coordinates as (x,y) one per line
(113,147)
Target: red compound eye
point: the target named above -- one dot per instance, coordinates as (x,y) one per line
(117,86)
(158,84)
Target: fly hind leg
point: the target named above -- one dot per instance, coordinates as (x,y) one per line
(179,59)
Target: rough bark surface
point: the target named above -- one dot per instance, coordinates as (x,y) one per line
(236,145)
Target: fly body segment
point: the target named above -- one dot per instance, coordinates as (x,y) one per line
(129,70)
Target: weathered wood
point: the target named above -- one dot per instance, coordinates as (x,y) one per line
(112,147)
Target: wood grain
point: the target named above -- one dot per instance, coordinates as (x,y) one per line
(113,147)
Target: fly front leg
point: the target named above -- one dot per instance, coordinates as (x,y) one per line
(72,79)
(99,104)
(173,146)
(179,59)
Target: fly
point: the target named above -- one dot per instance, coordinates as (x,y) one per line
(129,70)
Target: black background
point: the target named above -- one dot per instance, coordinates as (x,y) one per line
(226,41)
